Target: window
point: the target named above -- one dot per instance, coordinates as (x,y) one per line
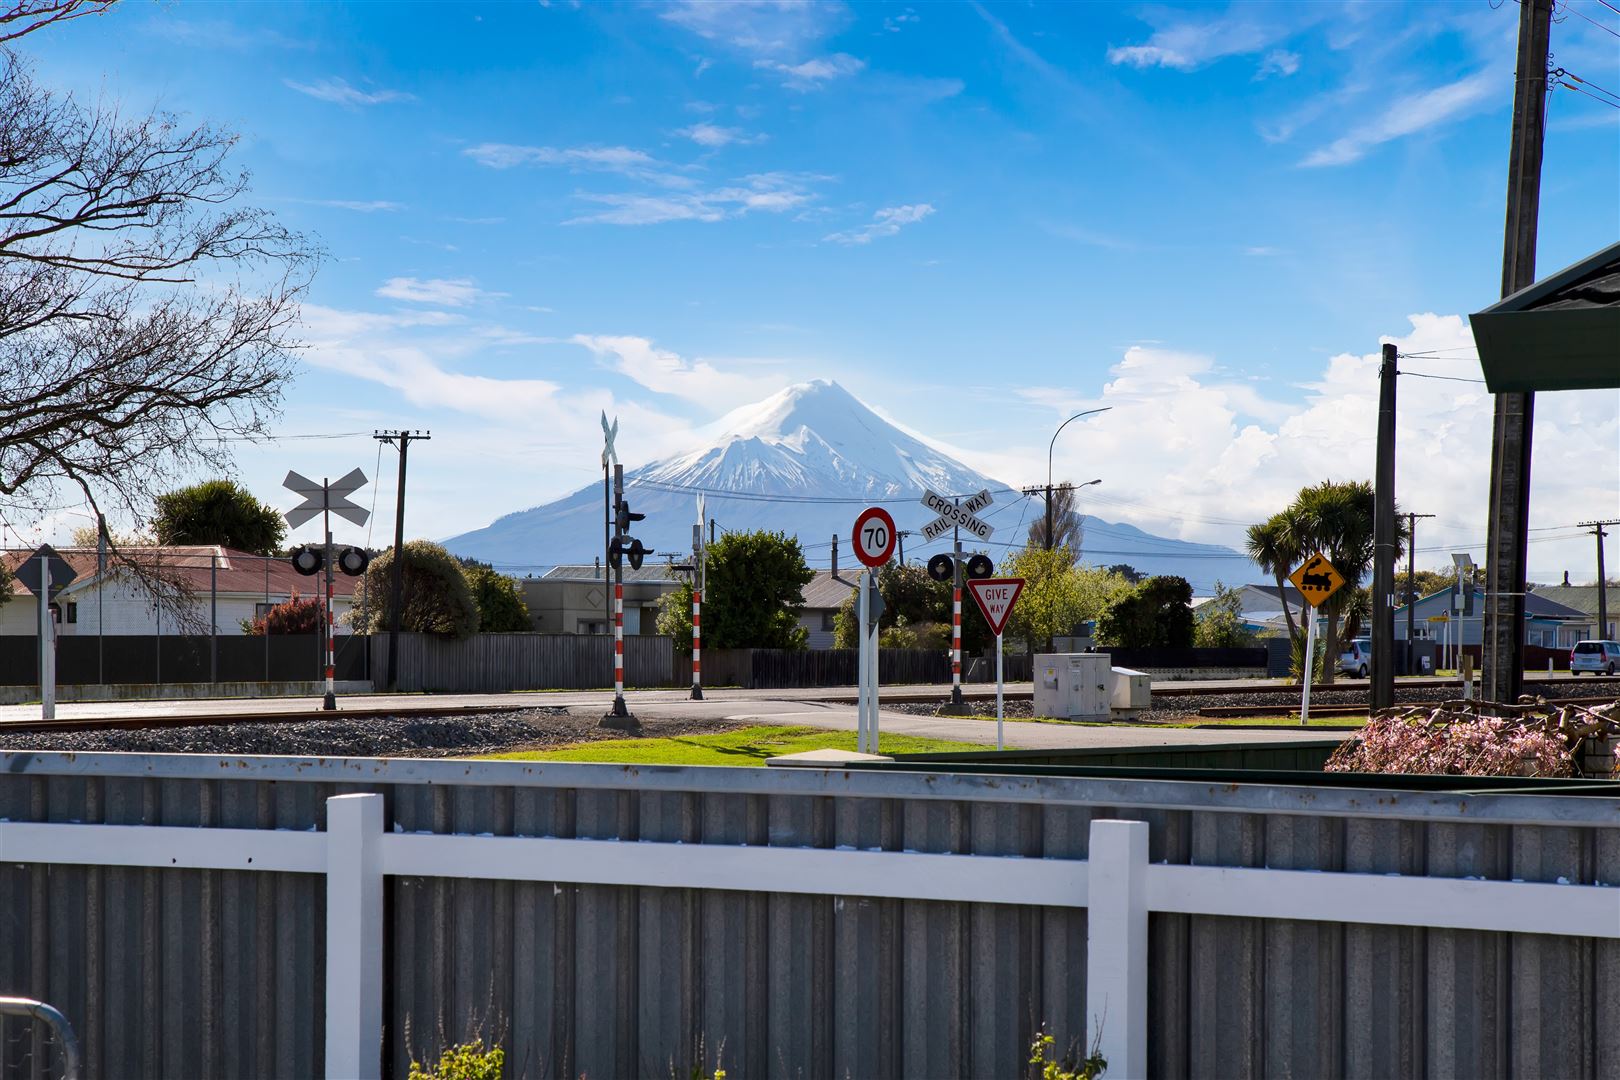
(261,610)
(827,620)
(72,612)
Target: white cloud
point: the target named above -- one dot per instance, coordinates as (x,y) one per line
(699,381)
(453,292)
(885,222)
(714,136)
(815,73)
(624,160)
(359,206)
(1189,44)
(895,23)
(1191,451)
(1278,62)
(339,92)
(771,193)
(759,27)
(1410,115)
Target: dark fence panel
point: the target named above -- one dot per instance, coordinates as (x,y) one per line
(494,663)
(1186,658)
(177,658)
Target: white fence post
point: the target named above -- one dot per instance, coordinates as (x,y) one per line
(1117,946)
(354,945)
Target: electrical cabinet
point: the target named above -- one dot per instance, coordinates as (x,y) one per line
(1073,686)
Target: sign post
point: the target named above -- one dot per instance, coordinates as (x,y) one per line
(700,554)
(327,498)
(873,542)
(45,573)
(996,597)
(1316,579)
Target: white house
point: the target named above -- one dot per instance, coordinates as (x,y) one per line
(239,586)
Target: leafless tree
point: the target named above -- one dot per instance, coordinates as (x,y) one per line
(25,16)
(1068,524)
(146,314)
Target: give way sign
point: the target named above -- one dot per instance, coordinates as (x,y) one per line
(996,597)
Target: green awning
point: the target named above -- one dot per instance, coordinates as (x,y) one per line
(1562,333)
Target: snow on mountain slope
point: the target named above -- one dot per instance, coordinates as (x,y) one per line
(804,461)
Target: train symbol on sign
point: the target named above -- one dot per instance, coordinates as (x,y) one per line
(1317,579)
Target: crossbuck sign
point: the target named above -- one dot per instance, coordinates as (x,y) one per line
(952,516)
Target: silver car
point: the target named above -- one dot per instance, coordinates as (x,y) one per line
(1356,658)
(1598,657)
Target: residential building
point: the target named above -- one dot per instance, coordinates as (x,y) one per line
(1585,598)
(1546,622)
(1262,607)
(823,596)
(225,588)
(576,599)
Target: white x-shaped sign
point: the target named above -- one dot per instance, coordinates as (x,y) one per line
(318,497)
(609,455)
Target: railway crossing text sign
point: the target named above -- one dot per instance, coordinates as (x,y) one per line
(952,516)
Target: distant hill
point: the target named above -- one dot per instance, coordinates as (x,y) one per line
(804,461)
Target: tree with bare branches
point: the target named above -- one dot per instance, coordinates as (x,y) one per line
(146,312)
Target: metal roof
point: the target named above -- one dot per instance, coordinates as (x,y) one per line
(827,591)
(1561,333)
(659,573)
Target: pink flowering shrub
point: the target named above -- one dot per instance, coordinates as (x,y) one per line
(1473,746)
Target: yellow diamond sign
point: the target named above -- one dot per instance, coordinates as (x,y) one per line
(1316,579)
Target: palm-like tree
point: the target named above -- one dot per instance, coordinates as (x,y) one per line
(1336,519)
(1273,546)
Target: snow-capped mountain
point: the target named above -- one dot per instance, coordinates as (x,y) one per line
(804,461)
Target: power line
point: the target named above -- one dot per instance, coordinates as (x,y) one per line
(1447,378)
(1594,22)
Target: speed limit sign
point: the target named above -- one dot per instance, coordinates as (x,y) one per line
(874,536)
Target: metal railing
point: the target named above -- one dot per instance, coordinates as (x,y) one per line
(49,1039)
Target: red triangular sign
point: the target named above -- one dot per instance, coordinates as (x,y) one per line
(996,597)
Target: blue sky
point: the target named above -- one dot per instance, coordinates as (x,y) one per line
(974,217)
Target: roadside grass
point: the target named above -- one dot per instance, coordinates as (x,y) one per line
(1278,720)
(745,746)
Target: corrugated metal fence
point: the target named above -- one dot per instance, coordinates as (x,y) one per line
(493,663)
(211,972)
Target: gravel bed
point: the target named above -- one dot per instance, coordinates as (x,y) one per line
(363,736)
(1181,709)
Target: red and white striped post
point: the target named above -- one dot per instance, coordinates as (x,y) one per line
(331,651)
(618,648)
(697,644)
(956,644)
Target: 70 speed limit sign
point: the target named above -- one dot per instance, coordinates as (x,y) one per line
(874,537)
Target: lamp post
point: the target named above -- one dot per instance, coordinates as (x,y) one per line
(1049,449)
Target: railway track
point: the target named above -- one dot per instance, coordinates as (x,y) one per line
(148,723)
(1219,711)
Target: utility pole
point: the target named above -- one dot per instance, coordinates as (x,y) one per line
(1411,590)
(900,537)
(1515,413)
(1602,581)
(1384,534)
(396,585)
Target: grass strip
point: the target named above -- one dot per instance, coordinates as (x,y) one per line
(745,746)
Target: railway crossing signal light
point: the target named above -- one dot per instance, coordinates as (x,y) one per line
(941,567)
(308,560)
(622,517)
(979,566)
(353,561)
(621,548)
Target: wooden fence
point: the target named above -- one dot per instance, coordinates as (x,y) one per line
(494,663)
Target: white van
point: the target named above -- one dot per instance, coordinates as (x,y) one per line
(1598,657)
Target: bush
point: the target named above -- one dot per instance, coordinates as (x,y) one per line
(469,1061)
(292,616)
(437,597)
(1155,614)
(1044,1065)
(1482,746)
(501,609)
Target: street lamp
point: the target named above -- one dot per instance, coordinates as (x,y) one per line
(1049,449)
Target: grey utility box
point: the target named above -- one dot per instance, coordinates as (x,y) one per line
(1073,686)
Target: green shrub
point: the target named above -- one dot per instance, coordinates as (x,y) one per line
(1044,1065)
(469,1061)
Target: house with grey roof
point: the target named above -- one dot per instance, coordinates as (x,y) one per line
(574,599)
(1585,598)
(823,596)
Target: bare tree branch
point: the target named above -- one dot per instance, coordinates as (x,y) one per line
(146,315)
(25,16)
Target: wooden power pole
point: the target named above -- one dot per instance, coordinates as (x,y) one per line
(1506,550)
(1384,541)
